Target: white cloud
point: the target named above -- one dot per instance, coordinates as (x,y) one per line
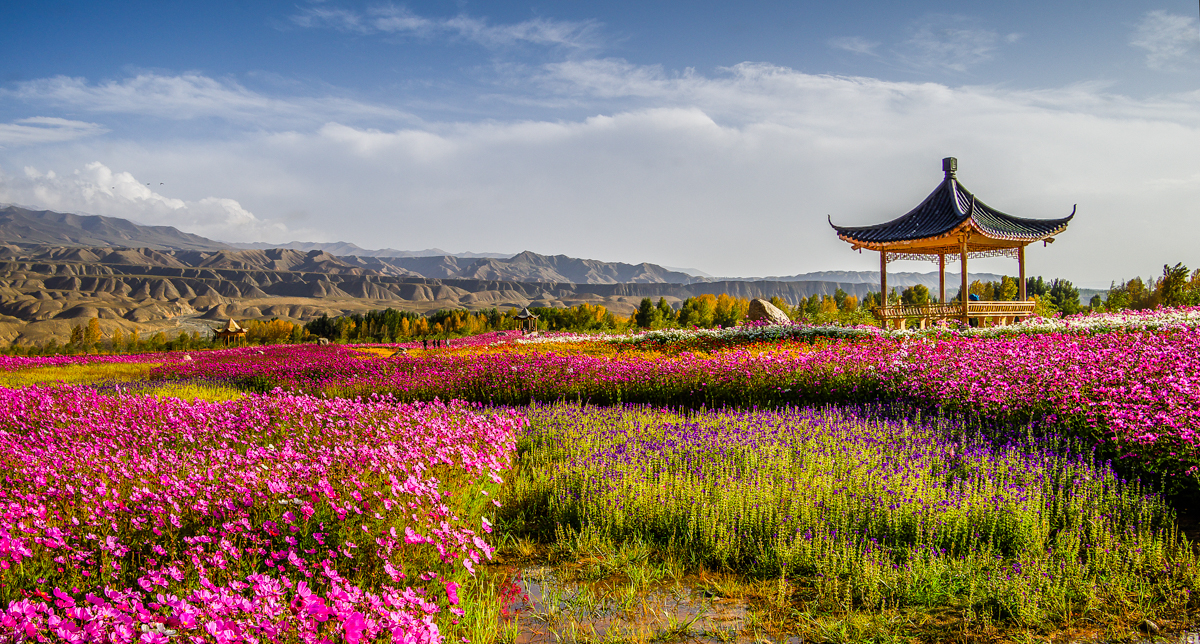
(393,19)
(855,45)
(731,172)
(190,96)
(1169,39)
(46,129)
(953,43)
(95,189)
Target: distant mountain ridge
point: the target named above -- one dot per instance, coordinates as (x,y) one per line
(27,227)
(57,270)
(46,227)
(348,249)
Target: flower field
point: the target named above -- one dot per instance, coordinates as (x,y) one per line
(282,518)
(1130,383)
(349,493)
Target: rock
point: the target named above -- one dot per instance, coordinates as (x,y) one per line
(764,311)
(1149,626)
(322,341)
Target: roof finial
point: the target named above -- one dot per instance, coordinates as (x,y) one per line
(950,166)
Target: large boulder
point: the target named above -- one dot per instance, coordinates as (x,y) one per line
(764,311)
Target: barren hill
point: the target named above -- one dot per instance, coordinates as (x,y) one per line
(58,270)
(46,290)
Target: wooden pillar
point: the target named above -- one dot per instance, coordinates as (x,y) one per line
(1021,263)
(883,294)
(942,278)
(963,294)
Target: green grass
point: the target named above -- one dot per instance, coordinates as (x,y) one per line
(853,529)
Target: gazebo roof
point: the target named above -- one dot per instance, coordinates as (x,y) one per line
(526,315)
(232,327)
(951,209)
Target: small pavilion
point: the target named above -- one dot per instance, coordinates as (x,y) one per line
(952,224)
(526,321)
(232,331)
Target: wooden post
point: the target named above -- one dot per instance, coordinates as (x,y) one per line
(883,285)
(942,278)
(1021,263)
(966,297)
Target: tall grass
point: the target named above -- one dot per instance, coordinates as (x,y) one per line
(858,513)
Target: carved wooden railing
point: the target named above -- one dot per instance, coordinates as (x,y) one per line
(996,312)
(999,309)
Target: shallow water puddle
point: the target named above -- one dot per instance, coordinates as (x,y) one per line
(543,608)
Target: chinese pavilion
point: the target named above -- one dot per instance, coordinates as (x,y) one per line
(952,224)
(232,331)
(526,321)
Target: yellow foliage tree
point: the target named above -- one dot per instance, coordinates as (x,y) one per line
(92,335)
(270,331)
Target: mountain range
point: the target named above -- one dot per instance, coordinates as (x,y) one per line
(26,227)
(57,269)
(346,248)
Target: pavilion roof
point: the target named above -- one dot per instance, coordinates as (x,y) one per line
(526,315)
(231,327)
(949,209)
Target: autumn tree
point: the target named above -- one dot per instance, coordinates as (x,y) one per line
(92,335)
(728,311)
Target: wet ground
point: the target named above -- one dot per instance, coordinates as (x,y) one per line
(543,605)
(544,608)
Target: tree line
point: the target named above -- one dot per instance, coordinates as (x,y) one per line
(1177,286)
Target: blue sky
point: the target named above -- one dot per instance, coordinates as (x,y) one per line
(700,134)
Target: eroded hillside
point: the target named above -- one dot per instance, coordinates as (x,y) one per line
(46,290)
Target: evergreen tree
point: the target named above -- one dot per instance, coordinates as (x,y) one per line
(839,296)
(916,295)
(1036,286)
(665,312)
(1065,296)
(645,314)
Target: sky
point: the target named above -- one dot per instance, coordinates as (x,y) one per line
(708,135)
